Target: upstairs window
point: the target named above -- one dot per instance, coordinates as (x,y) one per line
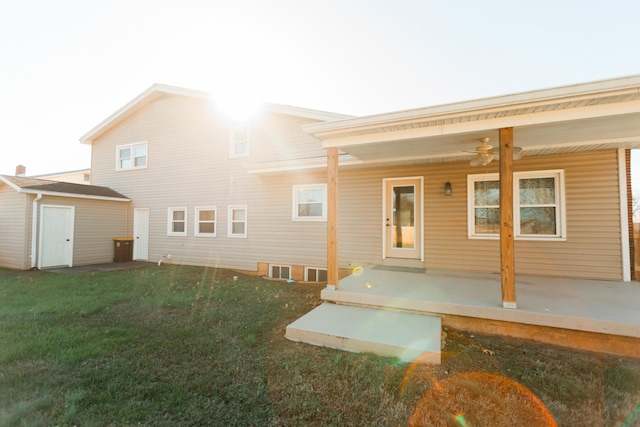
(205,222)
(310,202)
(239,141)
(538,205)
(131,156)
(177,222)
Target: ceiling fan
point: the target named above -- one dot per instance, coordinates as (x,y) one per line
(485,153)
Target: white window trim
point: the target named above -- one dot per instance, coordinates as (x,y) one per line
(131,147)
(170,231)
(232,142)
(294,208)
(561,218)
(306,272)
(196,231)
(279,266)
(230,221)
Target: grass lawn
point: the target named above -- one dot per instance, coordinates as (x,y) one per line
(188,346)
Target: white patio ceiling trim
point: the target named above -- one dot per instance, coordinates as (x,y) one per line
(591,116)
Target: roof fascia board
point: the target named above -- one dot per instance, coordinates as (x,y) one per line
(585,112)
(135,102)
(297,165)
(522,100)
(174,90)
(305,112)
(11,184)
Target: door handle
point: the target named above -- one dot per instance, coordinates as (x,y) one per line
(67,240)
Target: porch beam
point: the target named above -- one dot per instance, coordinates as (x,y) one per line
(332,218)
(507,258)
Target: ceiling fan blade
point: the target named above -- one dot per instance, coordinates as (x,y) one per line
(481,160)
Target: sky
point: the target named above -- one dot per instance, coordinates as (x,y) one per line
(66,65)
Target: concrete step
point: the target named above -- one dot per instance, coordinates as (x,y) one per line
(407,336)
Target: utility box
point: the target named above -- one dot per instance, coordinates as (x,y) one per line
(122,249)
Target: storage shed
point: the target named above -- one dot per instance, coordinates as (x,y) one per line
(46,224)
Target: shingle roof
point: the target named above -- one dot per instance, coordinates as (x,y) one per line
(34,185)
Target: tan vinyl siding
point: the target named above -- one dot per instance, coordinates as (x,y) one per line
(592,248)
(189,166)
(16,232)
(96,224)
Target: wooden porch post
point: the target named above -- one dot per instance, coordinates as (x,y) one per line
(332,218)
(507,262)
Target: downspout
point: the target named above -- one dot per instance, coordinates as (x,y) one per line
(34,230)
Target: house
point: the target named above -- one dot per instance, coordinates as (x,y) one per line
(78,176)
(50,224)
(536,183)
(199,194)
(254,196)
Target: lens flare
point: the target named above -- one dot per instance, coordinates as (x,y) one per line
(358,271)
(484,398)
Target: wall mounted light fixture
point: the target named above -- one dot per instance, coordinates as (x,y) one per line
(447,189)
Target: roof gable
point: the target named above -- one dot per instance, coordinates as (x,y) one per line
(61,189)
(158,90)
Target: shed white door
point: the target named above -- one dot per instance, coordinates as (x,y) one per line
(56,236)
(141,234)
(403,218)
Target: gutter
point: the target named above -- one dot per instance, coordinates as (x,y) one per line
(34,229)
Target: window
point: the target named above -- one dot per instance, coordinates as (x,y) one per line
(177,222)
(131,156)
(310,202)
(239,142)
(538,205)
(280,272)
(237,226)
(313,274)
(205,222)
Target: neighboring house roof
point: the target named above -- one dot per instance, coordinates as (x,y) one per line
(158,90)
(79,176)
(591,116)
(61,189)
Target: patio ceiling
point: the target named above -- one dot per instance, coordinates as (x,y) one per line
(595,116)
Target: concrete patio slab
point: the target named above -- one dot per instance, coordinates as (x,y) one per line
(407,336)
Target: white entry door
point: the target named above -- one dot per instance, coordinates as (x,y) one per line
(56,235)
(403,218)
(141,234)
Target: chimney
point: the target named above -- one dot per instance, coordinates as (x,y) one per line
(21,170)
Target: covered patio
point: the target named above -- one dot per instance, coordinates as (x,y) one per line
(570,122)
(592,315)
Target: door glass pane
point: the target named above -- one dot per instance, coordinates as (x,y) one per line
(403,207)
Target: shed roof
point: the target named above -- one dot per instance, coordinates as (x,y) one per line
(61,189)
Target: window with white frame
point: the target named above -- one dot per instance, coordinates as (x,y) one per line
(538,205)
(314,274)
(280,272)
(177,222)
(131,156)
(239,141)
(237,225)
(205,223)
(310,202)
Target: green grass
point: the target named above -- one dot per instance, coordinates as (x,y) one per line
(178,345)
